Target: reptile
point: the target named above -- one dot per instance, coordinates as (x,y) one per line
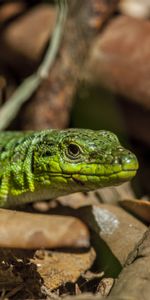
(41,165)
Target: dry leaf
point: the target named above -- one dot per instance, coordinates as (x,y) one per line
(139,208)
(31,231)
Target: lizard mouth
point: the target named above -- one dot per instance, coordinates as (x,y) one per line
(115,178)
(125,172)
(121,172)
(96,175)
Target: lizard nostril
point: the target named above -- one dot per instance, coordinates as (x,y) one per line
(125,158)
(120,149)
(93,154)
(129,161)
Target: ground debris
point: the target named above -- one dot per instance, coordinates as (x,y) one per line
(35,273)
(59,268)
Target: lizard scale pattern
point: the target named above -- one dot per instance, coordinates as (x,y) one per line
(46,164)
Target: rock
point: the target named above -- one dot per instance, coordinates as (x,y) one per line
(118,229)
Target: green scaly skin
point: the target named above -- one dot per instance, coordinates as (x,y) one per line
(46,164)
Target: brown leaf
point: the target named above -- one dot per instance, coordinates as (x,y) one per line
(9,10)
(31,231)
(139,208)
(123,46)
(23,51)
(58,268)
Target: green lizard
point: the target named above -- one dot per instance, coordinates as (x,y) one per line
(46,164)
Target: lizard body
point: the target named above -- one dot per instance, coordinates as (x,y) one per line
(46,164)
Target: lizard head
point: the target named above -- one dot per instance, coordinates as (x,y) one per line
(80,160)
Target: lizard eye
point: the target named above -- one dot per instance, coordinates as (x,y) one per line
(73,150)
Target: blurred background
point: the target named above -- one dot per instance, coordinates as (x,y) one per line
(99,78)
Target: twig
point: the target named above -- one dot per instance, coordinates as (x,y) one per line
(53,48)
